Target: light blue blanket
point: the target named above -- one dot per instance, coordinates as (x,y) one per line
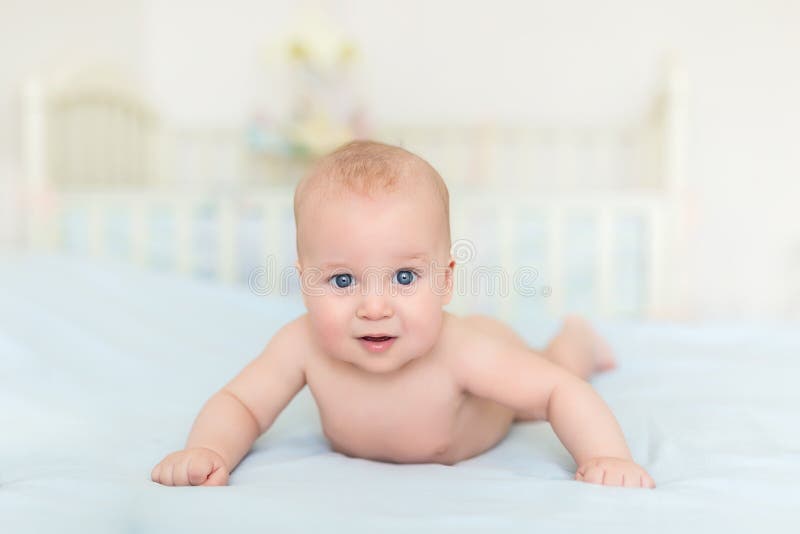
(103,369)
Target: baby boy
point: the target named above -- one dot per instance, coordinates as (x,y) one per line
(394,376)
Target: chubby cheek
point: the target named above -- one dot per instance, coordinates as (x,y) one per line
(422,316)
(330,320)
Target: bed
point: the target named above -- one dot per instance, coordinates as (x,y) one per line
(155,267)
(106,364)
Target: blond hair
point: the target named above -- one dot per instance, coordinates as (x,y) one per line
(369,168)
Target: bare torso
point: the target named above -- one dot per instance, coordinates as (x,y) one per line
(416,414)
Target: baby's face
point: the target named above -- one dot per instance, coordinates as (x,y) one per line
(376,273)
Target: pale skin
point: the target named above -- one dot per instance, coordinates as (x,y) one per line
(443,389)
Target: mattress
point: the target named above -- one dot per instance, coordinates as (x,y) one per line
(104,366)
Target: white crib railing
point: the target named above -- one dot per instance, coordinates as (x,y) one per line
(497,241)
(500,176)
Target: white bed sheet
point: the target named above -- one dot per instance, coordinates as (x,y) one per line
(103,368)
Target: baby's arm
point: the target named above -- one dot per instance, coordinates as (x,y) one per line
(234,417)
(529,383)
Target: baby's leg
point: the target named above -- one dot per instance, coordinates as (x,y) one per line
(581,350)
(576,347)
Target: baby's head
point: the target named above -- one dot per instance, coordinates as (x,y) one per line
(373,249)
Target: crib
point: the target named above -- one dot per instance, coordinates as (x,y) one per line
(552,218)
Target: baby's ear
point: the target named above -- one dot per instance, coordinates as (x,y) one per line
(449,281)
(300,279)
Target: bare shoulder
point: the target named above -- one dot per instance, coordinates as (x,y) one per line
(298,326)
(475,337)
(481,331)
(268,383)
(493,328)
(292,341)
(490,360)
(285,355)
(467,327)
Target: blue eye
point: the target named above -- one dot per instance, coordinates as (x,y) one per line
(342,280)
(405,277)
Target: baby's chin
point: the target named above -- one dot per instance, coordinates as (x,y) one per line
(380,363)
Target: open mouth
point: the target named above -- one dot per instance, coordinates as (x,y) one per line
(376,338)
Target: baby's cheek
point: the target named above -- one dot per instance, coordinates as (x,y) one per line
(425,317)
(329,325)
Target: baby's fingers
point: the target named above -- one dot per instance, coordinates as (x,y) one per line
(166,474)
(646,481)
(637,478)
(156,473)
(593,475)
(198,469)
(218,478)
(180,472)
(164,471)
(610,477)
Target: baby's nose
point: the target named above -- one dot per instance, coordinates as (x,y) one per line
(374,307)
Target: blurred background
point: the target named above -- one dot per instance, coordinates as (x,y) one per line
(640,157)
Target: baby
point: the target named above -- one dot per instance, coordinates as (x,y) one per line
(394,376)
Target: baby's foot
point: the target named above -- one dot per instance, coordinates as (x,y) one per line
(576,327)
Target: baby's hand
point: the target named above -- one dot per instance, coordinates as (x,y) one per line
(614,472)
(196,467)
